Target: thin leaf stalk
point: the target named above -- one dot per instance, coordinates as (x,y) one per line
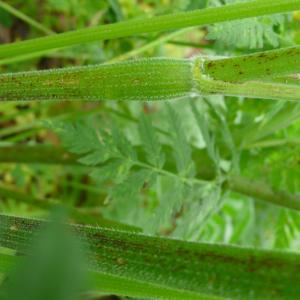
(25,18)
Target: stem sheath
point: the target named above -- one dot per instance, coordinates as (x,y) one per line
(255,66)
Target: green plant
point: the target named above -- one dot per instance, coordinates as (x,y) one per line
(163,187)
(161,79)
(133,258)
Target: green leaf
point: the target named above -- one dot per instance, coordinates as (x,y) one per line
(82,138)
(5,18)
(111,170)
(181,148)
(150,142)
(122,144)
(131,186)
(61,5)
(251,33)
(127,203)
(53,269)
(95,146)
(117,9)
(219,113)
(170,203)
(204,202)
(206,133)
(116,285)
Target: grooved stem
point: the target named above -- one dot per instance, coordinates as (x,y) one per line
(144,79)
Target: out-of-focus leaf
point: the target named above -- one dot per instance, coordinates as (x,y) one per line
(251,33)
(52,271)
(180,145)
(150,142)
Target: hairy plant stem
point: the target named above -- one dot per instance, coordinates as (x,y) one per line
(239,184)
(145,25)
(103,283)
(154,79)
(197,268)
(145,79)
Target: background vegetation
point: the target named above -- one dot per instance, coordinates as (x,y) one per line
(203,170)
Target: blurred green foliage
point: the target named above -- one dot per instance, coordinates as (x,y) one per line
(54,268)
(258,139)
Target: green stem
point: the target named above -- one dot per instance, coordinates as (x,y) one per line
(263,192)
(161,23)
(259,65)
(274,143)
(205,269)
(253,89)
(104,283)
(28,56)
(25,18)
(37,154)
(144,79)
(75,213)
(25,198)
(150,45)
(151,79)
(288,115)
(207,85)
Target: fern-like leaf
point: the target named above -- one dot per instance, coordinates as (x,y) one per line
(82,138)
(251,33)
(206,134)
(152,147)
(181,148)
